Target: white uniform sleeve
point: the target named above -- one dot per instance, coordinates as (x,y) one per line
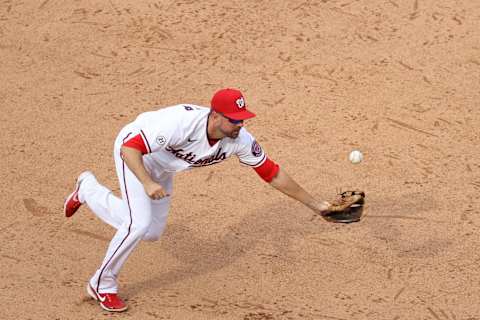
(160,128)
(249,152)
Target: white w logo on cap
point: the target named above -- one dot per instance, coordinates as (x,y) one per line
(240,102)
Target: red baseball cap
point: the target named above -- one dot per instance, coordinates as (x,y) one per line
(231,104)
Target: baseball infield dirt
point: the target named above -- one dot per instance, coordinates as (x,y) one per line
(398,80)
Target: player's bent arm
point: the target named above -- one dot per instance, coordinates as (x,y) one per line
(134,161)
(285,184)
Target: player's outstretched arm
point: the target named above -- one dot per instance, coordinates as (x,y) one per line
(285,184)
(134,161)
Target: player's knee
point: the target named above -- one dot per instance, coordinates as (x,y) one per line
(153,233)
(150,237)
(140,228)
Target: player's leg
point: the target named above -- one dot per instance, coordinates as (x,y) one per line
(102,202)
(130,232)
(160,210)
(124,241)
(137,220)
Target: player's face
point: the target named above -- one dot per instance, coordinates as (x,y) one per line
(229,127)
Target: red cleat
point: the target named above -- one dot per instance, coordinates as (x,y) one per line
(72,203)
(108,301)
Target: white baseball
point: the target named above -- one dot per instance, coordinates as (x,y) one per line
(355,156)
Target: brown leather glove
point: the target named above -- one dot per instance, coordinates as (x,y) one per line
(346,208)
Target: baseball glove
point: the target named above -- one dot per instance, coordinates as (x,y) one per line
(346,208)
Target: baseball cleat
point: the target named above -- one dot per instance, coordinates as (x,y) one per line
(72,203)
(108,301)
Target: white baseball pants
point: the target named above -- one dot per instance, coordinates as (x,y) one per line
(135,216)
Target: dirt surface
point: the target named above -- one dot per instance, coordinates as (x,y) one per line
(399,80)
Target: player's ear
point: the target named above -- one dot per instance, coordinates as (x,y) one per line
(214,115)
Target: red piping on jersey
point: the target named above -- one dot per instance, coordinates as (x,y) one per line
(268,170)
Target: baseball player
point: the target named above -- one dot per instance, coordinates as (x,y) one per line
(148,152)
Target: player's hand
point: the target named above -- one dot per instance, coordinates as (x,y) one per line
(155,191)
(321,208)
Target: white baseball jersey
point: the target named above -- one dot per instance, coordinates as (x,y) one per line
(176,139)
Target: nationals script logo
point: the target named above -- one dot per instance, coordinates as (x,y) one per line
(219,156)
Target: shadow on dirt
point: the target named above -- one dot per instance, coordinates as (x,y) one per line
(277,224)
